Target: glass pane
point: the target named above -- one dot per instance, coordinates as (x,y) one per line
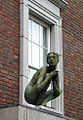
(31,73)
(35,55)
(30,29)
(30,52)
(35,32)
(43,36)
(43,57)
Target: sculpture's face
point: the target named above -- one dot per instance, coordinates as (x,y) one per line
(52,59)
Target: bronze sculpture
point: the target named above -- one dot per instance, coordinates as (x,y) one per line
(36,91)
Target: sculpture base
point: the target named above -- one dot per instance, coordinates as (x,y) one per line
(20,112)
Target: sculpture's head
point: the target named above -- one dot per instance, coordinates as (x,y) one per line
(52,59)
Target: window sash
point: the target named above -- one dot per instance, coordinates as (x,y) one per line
(39,46)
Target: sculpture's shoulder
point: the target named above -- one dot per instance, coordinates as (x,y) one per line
(37,74)
(39,71)
(43,69)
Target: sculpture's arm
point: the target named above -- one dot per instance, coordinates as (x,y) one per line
(42,75)
(32,85)
(34,79)
(56,85)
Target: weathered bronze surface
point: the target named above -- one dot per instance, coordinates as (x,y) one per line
(36,92)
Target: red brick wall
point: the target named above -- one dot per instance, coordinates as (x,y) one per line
(72,16)
(9,51)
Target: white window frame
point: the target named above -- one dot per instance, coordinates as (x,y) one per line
(52,18)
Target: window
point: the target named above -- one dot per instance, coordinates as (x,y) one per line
(40,32)
(38,45)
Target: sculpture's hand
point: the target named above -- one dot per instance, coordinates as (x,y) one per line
(53,73)
(55,76)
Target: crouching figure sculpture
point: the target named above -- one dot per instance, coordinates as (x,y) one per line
(36,92)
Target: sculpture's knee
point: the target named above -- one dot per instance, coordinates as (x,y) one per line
(27,96)
(30,98)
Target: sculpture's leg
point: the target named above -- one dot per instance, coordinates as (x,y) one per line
(56,86)
(49,96)
(44,98)
(45,83)
(31,94)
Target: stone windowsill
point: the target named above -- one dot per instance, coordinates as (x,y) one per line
(22,112)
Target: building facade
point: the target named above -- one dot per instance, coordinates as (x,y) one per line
(29,30)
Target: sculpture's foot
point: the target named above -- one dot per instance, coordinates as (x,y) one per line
(44,104)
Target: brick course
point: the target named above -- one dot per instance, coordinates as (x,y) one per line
(9,51)
(73,56)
